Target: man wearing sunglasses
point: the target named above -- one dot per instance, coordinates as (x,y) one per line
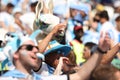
(25,60)
(24,54)
(54,51)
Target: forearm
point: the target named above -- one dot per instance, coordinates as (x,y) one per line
(107,58)
(28,30)
(58,70)
(87,68)
(44,43)
(2,24)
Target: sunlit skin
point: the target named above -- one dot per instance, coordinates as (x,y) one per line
(118,25)
(86,53)
(82,14)
(26,60)
(117,74)
(73,12)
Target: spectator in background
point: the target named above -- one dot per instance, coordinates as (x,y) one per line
(10,37)
(6,18)
(106,2)
(117,28)
(29,17)
(108,58)
(106,26)
(78,13)
(105,72)
(83,13)
(72,57)
(62,11)
(91,35)
(25,71)
(24,59)
(116,6)
(52,55)
(18,25)
(87,50)
(77,44)
(69,35)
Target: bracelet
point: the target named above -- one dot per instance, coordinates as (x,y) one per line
(97,49)
(101,50)
(68,77)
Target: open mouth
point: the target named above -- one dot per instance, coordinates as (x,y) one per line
(33,57)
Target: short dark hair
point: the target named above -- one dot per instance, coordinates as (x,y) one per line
(33,4)
(90,45)
(104,72)
(104,14)
(10,5)
(118,18)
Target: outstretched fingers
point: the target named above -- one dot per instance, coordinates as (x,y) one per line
(104,42)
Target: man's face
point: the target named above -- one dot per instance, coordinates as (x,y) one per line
(83,14)
(53,58)
(86,53)
(27,55)
(73,12)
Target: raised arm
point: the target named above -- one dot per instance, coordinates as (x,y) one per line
(44,43)
(85,71)
(107,58)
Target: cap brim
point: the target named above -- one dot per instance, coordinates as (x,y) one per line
(64,48)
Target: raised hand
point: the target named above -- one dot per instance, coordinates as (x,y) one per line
(58,28)
(104,42)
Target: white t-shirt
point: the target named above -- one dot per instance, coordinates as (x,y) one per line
(28,19)
(53,77)
(117,37)
(109,28)
(43,70)
(6,18)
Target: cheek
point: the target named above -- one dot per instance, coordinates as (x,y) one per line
(87,54)
(94,25)
(55,62)
(24,53)
(39,63)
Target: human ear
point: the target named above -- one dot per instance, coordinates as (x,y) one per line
(15,56)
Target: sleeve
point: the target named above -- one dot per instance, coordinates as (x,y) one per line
(56,77)
(7,78)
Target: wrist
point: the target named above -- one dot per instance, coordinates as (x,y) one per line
(96,49)
(52,33)
(101,51)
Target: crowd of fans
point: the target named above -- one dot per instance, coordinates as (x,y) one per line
(60,40)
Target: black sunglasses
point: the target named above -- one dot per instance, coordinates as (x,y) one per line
(10,35)
(96,20)
(29,47)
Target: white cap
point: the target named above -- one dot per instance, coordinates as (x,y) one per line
(40,56)
(117,3)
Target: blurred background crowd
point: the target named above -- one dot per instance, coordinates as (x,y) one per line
(85,21)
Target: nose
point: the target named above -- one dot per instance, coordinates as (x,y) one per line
(35,50)
(36,47)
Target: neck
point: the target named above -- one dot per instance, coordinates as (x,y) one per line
(24,69)
(104,21)
(92,29)
(118,29)
(78,38)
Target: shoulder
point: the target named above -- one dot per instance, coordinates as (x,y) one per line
(56,77)
(7,78)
